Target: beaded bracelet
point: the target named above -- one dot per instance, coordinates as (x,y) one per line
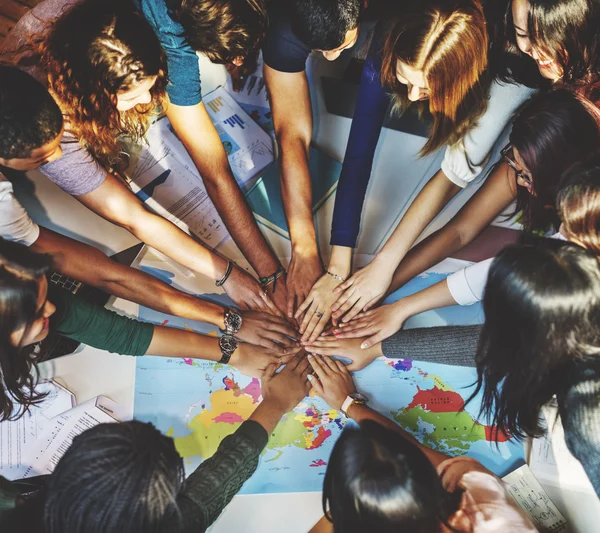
(335,276)
(272,279)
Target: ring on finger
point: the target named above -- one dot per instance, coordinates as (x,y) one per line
(319,314)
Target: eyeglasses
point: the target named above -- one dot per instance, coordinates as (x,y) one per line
(507,154)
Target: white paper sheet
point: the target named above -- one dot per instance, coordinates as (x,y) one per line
(59,433)
(530,496)
(17,436)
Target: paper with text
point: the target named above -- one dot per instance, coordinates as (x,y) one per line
(18,436)
(530,496)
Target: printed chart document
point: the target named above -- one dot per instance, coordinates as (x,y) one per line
(18,436)
(59,433)
(165,178)
(530,496)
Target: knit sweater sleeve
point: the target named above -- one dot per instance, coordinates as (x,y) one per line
(579,407)
(217,480)
(448,345)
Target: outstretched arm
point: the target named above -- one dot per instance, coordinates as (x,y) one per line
(292,118)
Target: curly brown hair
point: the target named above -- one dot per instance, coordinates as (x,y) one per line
(448,42)
(94,51)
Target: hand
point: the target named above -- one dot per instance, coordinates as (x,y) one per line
(362,291)
(287,389)
(303,273)
(334,382)
(317,307)
(264,329)
(252,360)
(377,324)
(279,296)
(247,293)
(348,348)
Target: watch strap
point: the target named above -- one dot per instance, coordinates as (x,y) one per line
(348,402)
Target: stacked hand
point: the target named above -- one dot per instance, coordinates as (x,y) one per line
(346,348)
(247,293)
(334,382)
(316,309)
(303,273)
(253,360)
(361,291)
(287,389)
(264,329)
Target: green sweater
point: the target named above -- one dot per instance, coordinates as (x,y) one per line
(96,326)
(206,493)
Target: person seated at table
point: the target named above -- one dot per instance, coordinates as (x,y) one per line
(30,132)
(128,478)
(29,307)
(431,56)
(379,478)
(107,72)
(540,338)
(228,32)
(553,132)
(296,28)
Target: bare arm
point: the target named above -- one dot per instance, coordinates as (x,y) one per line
(495,195)
(89,265)
(292,117)
(200,138)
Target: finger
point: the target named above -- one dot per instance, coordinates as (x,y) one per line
(319,326)
(351,303)
(280,324)
(303,307)
(322,342)
(316,384)
(303,366)
(270,305)
(341,366)
(371,341)
(371,303)
(271,369)
(318,366)
(291,302)
(308,386)
(285,359)
(354,312)
(310,322)
(343,286)
(268,343)
(343,299)
(280,338)
(321,350)
(330,363)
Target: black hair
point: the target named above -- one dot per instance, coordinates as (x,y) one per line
(553,131)
(20,273)
(377,480)
(323,24)
(116,478)
(542,314)
(29,116)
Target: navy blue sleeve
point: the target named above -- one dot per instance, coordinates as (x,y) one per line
(282,50)
(371,107)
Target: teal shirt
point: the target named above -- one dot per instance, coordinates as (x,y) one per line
(96,326)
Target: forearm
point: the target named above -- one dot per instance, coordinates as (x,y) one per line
(360,413)
(89,265)
(426,206)
(296,192)
(173,342)
(267,414)
(340,262)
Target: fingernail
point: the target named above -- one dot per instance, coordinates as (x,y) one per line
(309,355)
(364,345)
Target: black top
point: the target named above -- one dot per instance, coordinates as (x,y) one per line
(206,493)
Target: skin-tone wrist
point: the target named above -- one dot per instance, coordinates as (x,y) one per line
(267,414)
(341,261)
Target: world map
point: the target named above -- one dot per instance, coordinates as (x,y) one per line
(198,403)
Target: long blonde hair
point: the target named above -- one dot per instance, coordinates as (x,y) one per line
(448,42)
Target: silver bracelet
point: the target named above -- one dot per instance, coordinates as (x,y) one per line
(335,276)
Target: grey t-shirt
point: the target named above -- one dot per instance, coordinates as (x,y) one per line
(76,172)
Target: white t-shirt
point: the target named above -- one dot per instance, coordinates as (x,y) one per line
(468,285)
(15,224)
(465,161)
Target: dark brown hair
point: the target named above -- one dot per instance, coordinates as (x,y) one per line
(448,42)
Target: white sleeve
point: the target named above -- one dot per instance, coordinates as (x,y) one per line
(467,285)
(15,224)
(464,162)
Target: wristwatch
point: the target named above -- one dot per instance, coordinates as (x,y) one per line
(228,345)
(355,397)
(233,321)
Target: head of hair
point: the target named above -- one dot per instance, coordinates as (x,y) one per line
(29,116)
(20,273)
(95,50)
(567,31)
(542,314)
(323,24)
(121,477)
(377,480)
(553,131)
(223,30)
(578,203)
(448,42)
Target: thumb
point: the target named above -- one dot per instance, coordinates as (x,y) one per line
(343,286)
(371,341)
(316,384)
(270,370)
